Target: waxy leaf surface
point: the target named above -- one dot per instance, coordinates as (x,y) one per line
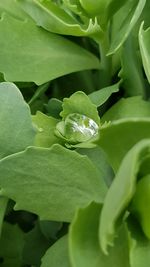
(38,56)
(121,192)
(83,237)
(51,182)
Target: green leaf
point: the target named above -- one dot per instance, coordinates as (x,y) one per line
(37,50)
(35,246)
(39,92)
(117,137)
(45,130)
(51,182)
(54,107)
(50,229)
(99,97)
(13,8)
(80,124)
(80,103)
(121,192)
(57,255)
(139,246)
(144,37)
(11,245)
(132,71)
(134,10)
(99,159)
(54,19)
(140,204)
(17,131)
(131,107)
(3,206)
(84,241)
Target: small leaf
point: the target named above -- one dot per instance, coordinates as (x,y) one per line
(45,136)
(99,97)
(80,103)
(54,107)
(51,182)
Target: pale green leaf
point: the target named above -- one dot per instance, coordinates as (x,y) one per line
(144,37)
(132,71)
(100,97)
(80,103)
(84,245)
(54,19)
(121,192)
(139,246)
(99,159)
(45,125)
(131,107)
(57,255)
(17,131)
(33,54)
(13,8)
(51,182)
(117,137)
(134,11)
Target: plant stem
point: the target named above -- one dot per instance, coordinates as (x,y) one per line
(105,65)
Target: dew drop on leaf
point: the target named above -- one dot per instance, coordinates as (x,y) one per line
(80,128)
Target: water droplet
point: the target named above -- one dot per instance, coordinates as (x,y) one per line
(40,130)
(80,128)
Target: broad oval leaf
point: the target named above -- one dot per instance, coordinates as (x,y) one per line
(51,182)
(33,54)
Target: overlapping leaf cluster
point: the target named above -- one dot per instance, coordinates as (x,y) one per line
(70,198)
